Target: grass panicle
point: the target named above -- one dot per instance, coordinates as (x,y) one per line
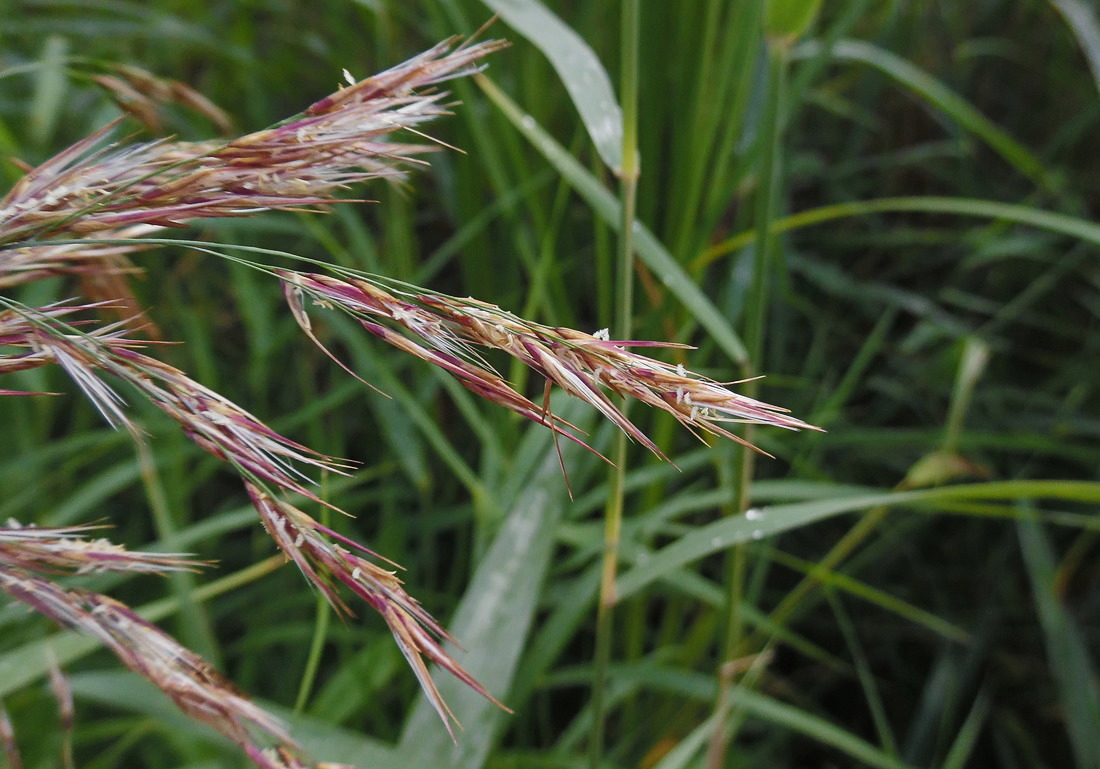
(109,194)
(118,192)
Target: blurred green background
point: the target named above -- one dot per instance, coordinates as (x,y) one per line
(897,202)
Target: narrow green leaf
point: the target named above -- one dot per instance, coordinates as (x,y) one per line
(785,21)
(579,69)
(938,95)
(734,530)
(1067,648)
(50,83)
(871,693)
(904,609)
(966,740)
(772,520)
(677,682)
(1063,224)
(1082,21)
(814,727)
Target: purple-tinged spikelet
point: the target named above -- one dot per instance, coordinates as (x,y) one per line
(586,366)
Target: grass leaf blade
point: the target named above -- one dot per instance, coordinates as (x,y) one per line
(579,69)
(493,621)
(940,96)
(1067,650)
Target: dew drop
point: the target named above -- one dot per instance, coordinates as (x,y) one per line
(716,542)
(528,122)
(757,534)
(754,514)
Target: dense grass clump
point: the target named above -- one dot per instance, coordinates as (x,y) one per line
(890,234)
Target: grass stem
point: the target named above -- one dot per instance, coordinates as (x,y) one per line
(755,313)
(628,185)
(323,612)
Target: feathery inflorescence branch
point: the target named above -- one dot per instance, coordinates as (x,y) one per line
(195,687)
(328,559)
(63,548)
(26,264)
(212,421)
(66,713)
(339,141)
(586,366)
